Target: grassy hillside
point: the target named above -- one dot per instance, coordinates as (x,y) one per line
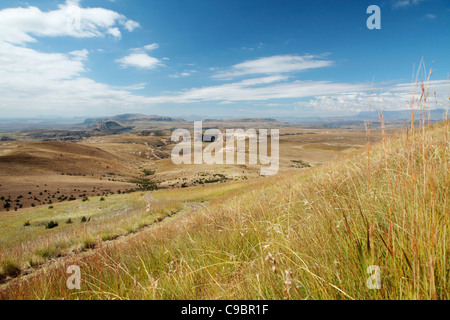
(305,235)
(59,157)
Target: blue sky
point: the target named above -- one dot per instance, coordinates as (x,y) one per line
(243,58)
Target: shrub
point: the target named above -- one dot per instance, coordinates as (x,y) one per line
(47,253)
(145,184)
(10,268)
(148,172)
(27,224)
(52,224)
(88,244)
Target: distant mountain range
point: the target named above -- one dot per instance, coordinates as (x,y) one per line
(402,115)
(131,118)
(435,115)
(126,122)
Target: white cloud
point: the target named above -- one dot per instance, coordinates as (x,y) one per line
(185,73)
(139,60)
(34,81)
(80,55)
(26,65)
(430,16)
(115,32)
(151,47)
(405,3)
(275,65)
(137,86)
(259,89)
(396,97)
(180,75)
(24,24)
(130,25)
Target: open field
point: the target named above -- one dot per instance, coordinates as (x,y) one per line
(303,234)
(72,228)
(36,173)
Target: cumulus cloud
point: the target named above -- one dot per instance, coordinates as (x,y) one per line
(31,80)
(139,60)
(391,98)
(275,65)
(28,65)
(24,24)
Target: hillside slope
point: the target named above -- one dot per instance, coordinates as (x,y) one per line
(59,157)
(309,235)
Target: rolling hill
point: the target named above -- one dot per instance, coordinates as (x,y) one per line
(60,157)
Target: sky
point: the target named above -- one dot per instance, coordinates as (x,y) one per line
(219,58)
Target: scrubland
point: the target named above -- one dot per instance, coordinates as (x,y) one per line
(306,234)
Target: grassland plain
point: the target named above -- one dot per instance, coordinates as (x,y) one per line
(309,234)
(31,237)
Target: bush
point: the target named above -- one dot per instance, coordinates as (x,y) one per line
(145,184)
(52,224)
(148,172)
(88,244)
(27,224)
(47,253)
(10,268)
(69,221)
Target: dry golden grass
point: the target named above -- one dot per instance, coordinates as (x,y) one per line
(26,240)
(310,235)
